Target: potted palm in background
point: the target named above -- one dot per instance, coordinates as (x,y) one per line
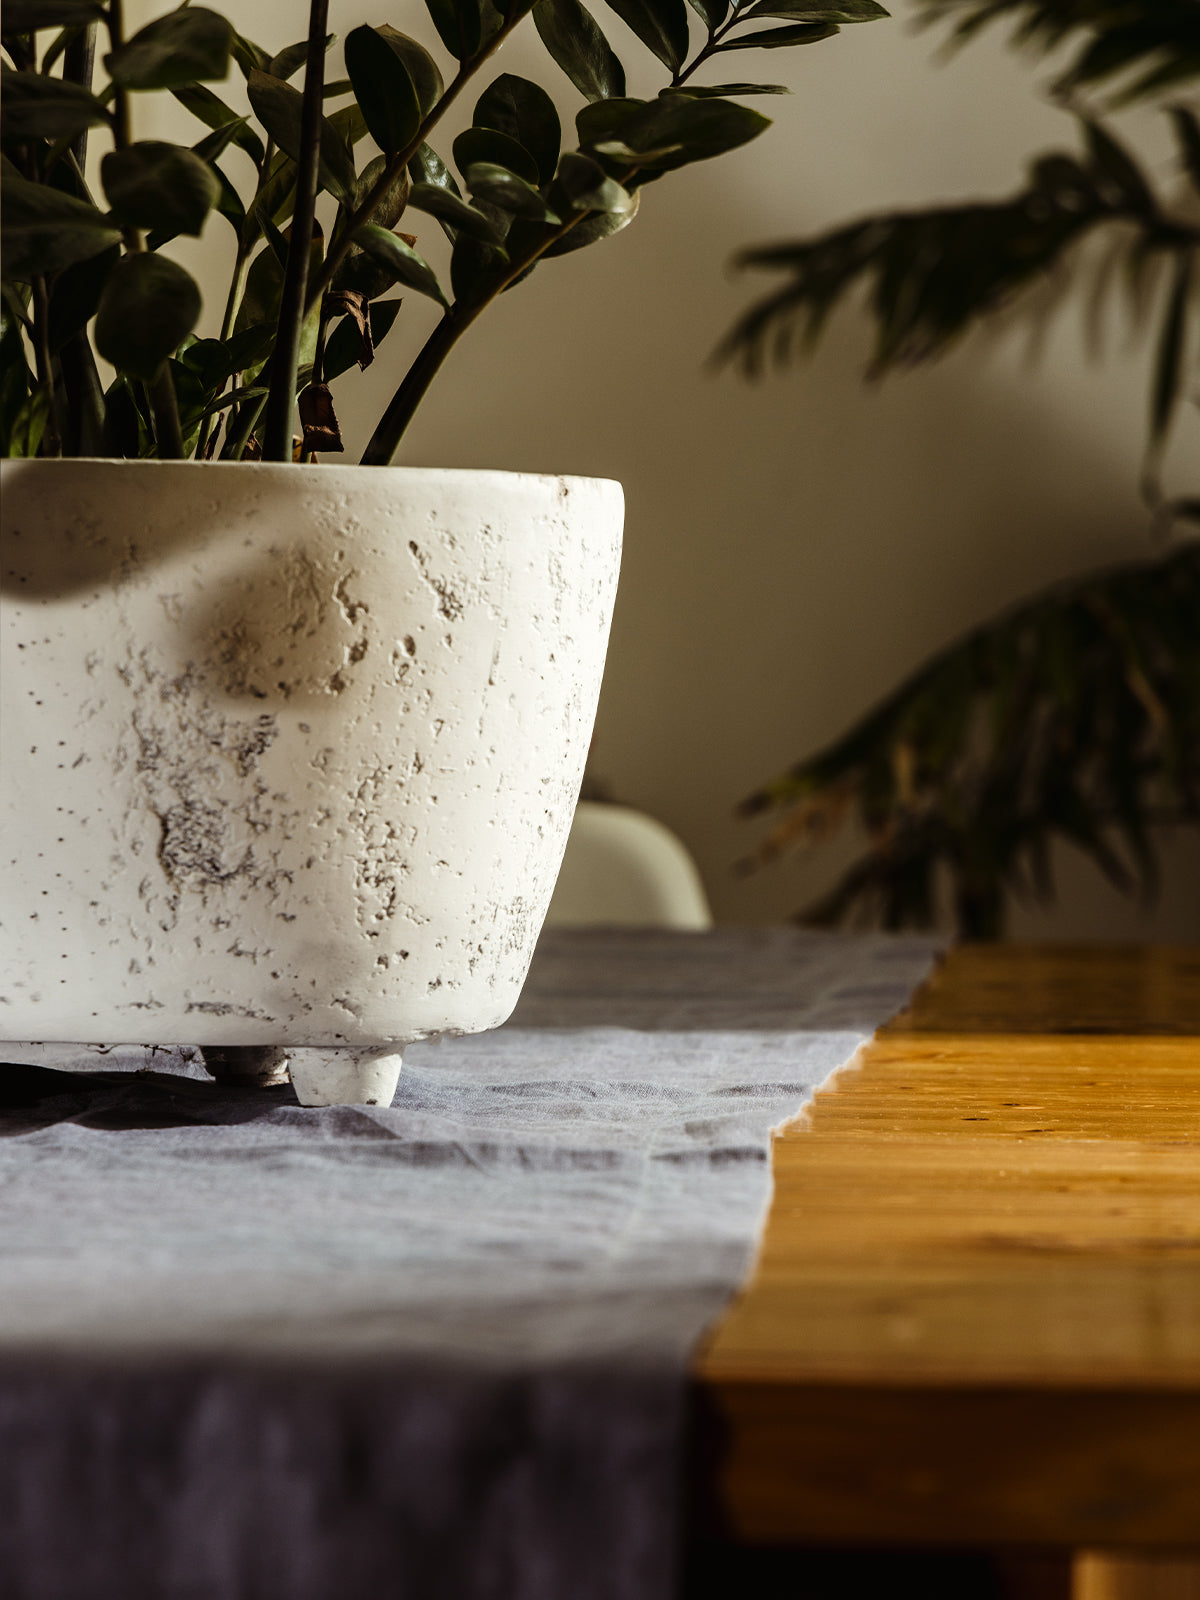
(1075,716)
(304,745)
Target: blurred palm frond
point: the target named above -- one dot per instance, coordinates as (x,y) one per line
(1074,717)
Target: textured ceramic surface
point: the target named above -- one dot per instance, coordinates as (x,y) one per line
(288,756)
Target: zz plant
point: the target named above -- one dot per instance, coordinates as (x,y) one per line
(323,241)
(1075,716)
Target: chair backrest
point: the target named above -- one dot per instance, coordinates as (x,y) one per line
(623,868)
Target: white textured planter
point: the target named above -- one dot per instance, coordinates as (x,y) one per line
(289,755)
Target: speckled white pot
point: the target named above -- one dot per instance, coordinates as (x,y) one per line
(289,755)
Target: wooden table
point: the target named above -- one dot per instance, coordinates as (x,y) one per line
(976,1317)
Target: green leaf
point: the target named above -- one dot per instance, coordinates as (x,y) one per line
(217,359)
(28,16)
(149,306)
(526,114)
(606,120)
(75,296)
(162,186)
(16,381)
(278,107)
(778,38)
(273,197)
(359,271)
(674,130)
(575,42)
(29,424)
(349,124)
(343,345)
(456,214)
(428,167)
(711,12)
(584,185)
(214,113)
(249,56)
(801,11)
(401,260)
(185,46)
(235,397)
(464,25)
(33,107)
(507,191)
(661,25)
(215,144)
(422,68)
(476,146)
(476,268)
(718,91)
(390,207)
(277,244)
(594,227)
(287,62)
(127,430)
(385,92)
(44,230)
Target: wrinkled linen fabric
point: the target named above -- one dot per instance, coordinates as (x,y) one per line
(253,1351)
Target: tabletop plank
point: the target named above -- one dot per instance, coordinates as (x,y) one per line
(976,1314)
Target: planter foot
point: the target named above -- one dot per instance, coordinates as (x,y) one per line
(246,1066)
(345,1075)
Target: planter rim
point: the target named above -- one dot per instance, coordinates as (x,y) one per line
(432,474)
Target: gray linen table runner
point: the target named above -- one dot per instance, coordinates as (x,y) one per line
(251,1351)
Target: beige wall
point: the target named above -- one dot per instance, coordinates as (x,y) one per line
(793,546)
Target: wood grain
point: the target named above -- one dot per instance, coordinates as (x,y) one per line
(976,1316)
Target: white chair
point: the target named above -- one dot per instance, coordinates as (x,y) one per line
(623,868)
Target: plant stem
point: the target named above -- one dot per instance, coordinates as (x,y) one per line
(343,238)
(277,435)
(78,61)
(702,55)
(385,441)
(120,118)
(84,434)
(165,408)
(236,442)
(232,301)
(52,439)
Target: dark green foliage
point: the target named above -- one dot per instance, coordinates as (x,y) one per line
(32,106)
(156,185)
(186,46)
(1077,716)
(1145,45)
(78,276)
(384,88)
(43,230)
(148,308)
(661,25)
(26,16)
(932,275)
(573,37)
(278,107)
(400,261)
(525,113)
(75,296)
